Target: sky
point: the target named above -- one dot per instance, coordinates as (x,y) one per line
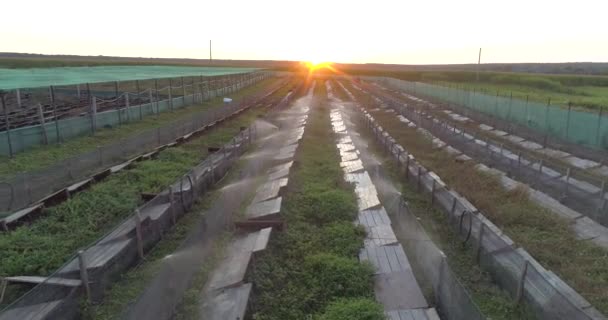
(380,31)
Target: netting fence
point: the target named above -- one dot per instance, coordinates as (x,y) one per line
(548,123)
(30,187)
(574,187)
(513,269)
(92,269)
(55,114)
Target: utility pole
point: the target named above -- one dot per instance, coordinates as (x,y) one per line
(478,63)
(210,55)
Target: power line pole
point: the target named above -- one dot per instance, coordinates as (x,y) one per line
(478,63)
(210,55)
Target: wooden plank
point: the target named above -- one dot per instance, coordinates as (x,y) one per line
(229,304)
(264,210)
(262,239)
(23,213)
(38,280)
(31,312)
(398,290)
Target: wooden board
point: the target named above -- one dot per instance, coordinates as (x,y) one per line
(49,281)
(264,210)
(32,312)
(398,290)
(228,304)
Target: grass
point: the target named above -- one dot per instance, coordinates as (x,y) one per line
(43,156)
(586,98)
(47,243)
(312,265)
(583,265)
(585,92)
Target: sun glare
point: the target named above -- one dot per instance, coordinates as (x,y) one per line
(315,65)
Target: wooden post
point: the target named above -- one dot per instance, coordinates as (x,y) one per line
(156,94)
(45,137)
(84,274)
(418,178)
(521,283)
(546,122)
(170,94)
(128,107)
(433,192)
(603,191)
(55,117)
(138,234)
(18,95)
(479,242)
(93,115)
(3,285)
(568,120)
(171,202)
(183,92)
(141,116)
(518,159)
(599,123)
(78,91)
(407,166)
(567,182)
(7,124)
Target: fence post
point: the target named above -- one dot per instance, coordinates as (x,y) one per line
(407,166)
(156,94)
(183,92)
(42,124)
(433,192)
(78,91)
(170,94)
(171,202)
(479,242)
(84,274)
(128,107)
(55,118)
(116,89)
(7,125)
(567,182)
(93,115)
(547,121)
(521,283)
(526,108)
(18,95)
(138,234)
(599,122)
(568,119)
(418,178)
(603,191)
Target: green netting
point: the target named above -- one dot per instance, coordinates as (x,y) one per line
(580,127)
(44,77)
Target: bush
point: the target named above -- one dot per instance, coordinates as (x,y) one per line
(353,309)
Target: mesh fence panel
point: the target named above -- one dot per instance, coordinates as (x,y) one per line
(123,246)
(15,194)
(585,128)
(513,269)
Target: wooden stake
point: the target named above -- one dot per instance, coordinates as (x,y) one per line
(84,274)
(138,234)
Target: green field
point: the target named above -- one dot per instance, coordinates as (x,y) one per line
(584,92)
